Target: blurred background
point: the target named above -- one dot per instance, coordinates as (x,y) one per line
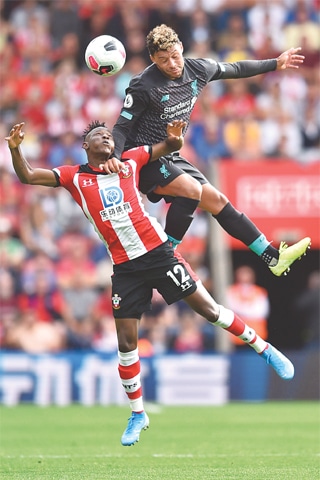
(257,139)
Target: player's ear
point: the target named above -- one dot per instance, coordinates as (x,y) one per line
(85,145)
(181,45)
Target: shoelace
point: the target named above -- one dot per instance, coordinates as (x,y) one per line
(283,246)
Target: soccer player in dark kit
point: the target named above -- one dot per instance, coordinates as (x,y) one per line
(142,256)
(166,90)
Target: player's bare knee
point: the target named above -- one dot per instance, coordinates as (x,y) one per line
(213,315)
(126,347)
(212,200)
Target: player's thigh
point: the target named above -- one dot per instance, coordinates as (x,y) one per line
(181,186)
(161,172)
(212,200)
(131,295)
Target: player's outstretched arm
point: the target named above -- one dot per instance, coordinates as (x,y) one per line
(290,59)
(172,143)
(24,171)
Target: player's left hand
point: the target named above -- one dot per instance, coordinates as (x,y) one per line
(174,133)
(174,129)
(113,165)
(290,59)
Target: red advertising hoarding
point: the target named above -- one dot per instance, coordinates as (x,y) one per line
(281,197)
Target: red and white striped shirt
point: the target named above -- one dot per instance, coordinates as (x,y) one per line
(114,206)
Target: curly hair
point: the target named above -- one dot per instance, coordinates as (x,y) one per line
(161,37)
(91,127)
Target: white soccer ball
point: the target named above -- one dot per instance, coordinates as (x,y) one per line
(105,55)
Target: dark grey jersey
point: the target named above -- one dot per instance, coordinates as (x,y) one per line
(153,100)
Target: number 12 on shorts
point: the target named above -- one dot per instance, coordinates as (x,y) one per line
(177,273)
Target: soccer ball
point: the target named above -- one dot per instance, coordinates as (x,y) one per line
(105,55)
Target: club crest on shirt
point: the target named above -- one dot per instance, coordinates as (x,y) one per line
(116,301)
(126,172)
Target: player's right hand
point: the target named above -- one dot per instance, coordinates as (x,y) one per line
(16,135)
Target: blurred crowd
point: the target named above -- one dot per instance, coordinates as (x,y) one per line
(54,273)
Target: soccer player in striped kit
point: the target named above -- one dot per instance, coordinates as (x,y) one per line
(142,256)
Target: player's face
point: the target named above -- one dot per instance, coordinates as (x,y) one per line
(170,62)
(99,143)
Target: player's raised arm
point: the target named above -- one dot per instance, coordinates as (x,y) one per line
(172,143)
(25,172)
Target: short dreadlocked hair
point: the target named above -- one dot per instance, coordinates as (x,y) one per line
(161,37)
(91,127)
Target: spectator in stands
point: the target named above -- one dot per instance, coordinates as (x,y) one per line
(242,135)
(8,304)
(41,296)
(306,311)
(43,301)
(302,26)
(24,10)
(12,250)
(80,296)
(104,336)
(11,195)
(75,260)
(65,150)
(33,42)
(38,262)
(103,103)
(310,131)
(69,91)
(232,43)
(31,336)
(190,333)
(200,28)
(35,230)
(249,300)
(266,19)
(63,19)
(208,140)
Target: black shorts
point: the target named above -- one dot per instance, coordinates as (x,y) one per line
(163,171)
(133,281)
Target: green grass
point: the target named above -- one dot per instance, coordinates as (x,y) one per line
(239,441)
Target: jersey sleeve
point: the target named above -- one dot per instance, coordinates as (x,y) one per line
(135,103)
(65,174)
(140,155)
(241,69)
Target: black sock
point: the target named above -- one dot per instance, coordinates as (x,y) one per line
(237,224)
(180,216)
